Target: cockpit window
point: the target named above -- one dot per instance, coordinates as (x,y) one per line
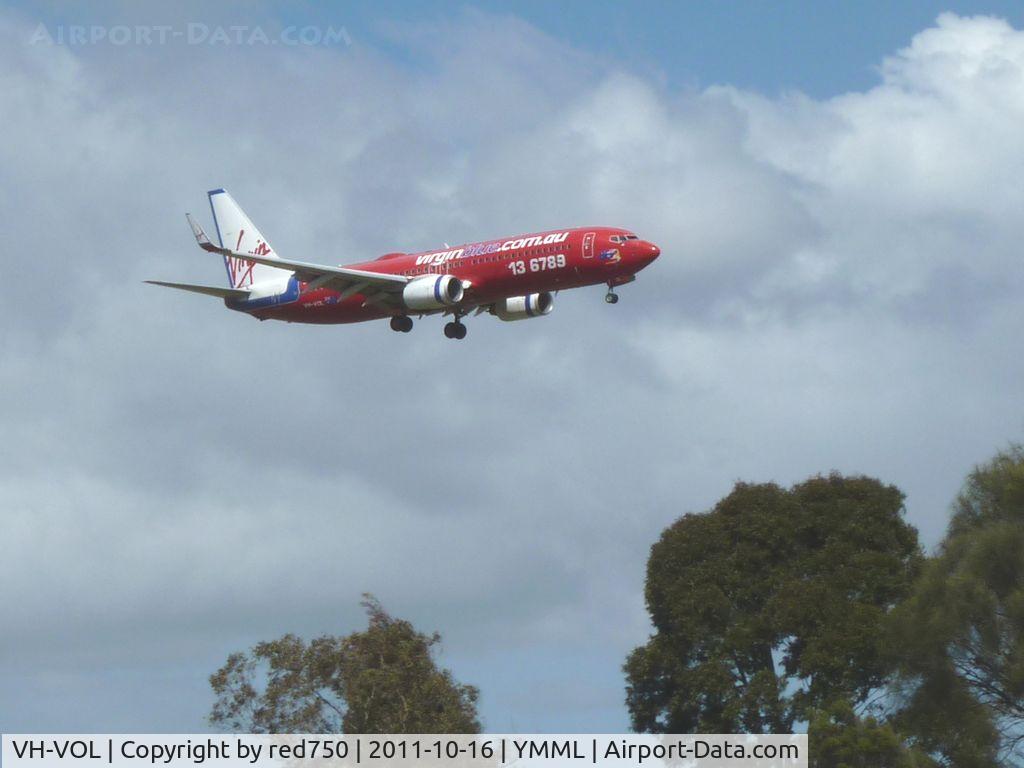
(615,239)
(631,237)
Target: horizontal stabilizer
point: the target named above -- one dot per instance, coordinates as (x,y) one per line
(208,290)
(336,278)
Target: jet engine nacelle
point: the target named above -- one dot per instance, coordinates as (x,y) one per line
(522,307)
(432,292)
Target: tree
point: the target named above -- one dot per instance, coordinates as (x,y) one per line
(382,680)
(840,739)
(771,606)
(962,630)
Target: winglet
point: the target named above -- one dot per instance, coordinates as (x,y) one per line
(201,238)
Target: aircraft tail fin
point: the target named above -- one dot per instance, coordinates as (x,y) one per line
(236,232)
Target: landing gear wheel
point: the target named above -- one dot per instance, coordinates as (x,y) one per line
(611,297)
(401,323)
(455,330)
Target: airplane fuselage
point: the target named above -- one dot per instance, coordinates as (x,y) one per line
(491,270)
(513,278)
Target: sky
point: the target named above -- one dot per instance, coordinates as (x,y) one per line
(836,192)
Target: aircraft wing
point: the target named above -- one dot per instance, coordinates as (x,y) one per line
(317,275)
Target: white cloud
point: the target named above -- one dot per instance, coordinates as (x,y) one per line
(839,288)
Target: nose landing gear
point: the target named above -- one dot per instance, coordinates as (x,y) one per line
(612,297)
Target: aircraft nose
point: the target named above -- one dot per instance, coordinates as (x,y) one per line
(648,252)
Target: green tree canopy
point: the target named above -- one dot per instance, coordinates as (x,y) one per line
(961,633)
(770,606)
(382,680)
(840,739)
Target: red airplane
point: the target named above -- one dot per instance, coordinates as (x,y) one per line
(512,278)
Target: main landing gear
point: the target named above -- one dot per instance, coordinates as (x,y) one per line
(401,323)
(455,329)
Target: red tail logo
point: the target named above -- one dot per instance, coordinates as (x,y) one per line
(241,269)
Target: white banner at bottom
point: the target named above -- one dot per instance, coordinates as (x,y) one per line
(609,750)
